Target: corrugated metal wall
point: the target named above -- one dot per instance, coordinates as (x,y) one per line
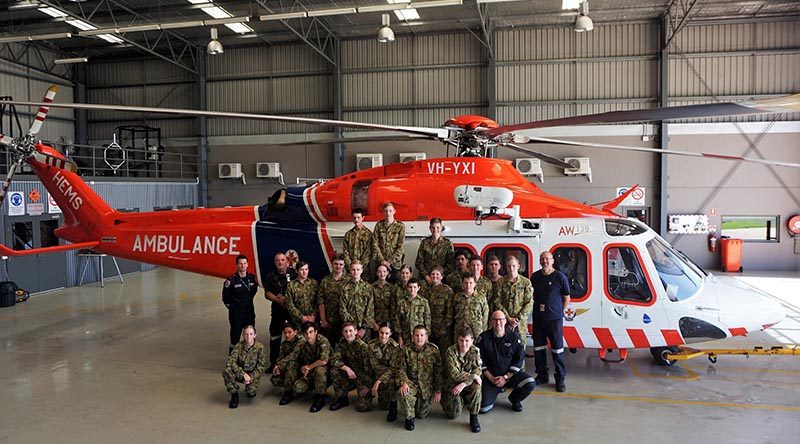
(142,195)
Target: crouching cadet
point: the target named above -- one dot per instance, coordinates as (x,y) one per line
(462,375)
(246,363)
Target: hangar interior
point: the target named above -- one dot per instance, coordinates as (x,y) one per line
(510,60)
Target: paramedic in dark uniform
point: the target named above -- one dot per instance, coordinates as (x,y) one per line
(275,292)
(238,292)
(550,297)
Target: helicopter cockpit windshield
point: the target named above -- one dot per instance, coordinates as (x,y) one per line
(679,278)
(624,227)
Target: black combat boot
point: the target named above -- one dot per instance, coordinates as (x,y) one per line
(474,425)
(560,386)
(344,401)
(409,424)
(318,404)
(286,398)
(392,415)
(234,401)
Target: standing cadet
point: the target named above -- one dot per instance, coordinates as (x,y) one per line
(502,355)
(275,292)
(482,284)
(358,243)
(301,296)
(412,311)
(238,292)
(351,367)
(493,274)
(389,236)
(453,279)
(434,250)
(385,296)
(440,301)
(516,299)
(329,298)
(308,368)
(471,308)
(357,305)
(290,341)
(419,374)
(403,276)
(550,297)
(462,379)
(245,364)
(384,352)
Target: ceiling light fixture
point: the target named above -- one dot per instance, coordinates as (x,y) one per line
(24,4)
(385,34)
(335,11)
(32,38)
(72,60)
(284,16)
(583,23)
(570,4)
(214,46)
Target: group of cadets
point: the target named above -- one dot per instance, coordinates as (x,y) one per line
(454,336)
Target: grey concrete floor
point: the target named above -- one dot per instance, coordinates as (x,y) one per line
(141,363)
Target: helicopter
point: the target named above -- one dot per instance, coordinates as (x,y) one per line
(630,288)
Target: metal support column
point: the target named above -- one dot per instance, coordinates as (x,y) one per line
(663,176)
(81,115)
(338,148)
(202,131)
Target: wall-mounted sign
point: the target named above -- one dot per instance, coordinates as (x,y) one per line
(16,203)
(635,199)
(52,205)
(688,224)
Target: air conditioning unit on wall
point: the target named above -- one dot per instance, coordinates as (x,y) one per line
(410,157)
(230,170)
(530,166)
(581,168)
(365,161)
(268,170)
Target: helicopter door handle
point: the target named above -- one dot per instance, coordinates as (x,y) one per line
(621,311)
(702,308)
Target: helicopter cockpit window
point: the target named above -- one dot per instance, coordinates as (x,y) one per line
(625,277)
(572,261)
(503,253)
(678,278)
(624,227)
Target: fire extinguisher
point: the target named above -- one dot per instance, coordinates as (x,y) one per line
(712,242)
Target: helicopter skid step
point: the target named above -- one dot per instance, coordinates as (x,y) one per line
(603,354)
(687,353)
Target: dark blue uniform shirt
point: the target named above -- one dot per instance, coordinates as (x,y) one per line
(548,291)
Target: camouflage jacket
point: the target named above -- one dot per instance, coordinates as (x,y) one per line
(420,367)
(385,302)
(472,311)
(329,294)
(431,254)
(305,353)
(458,369)
(453,280)
(388,242)
(287,347)
(357,305)
(495,293)
(382,356)
(484,287)
(358,245)
(410,313)
(250,360)
(357,356)
(301,299)
(515,299)
(440,301)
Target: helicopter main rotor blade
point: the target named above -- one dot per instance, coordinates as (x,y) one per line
(354,140)
(541,156)
(660,151)
(43,109)
(12,169)
(762,106)
(439,133)
(5,140)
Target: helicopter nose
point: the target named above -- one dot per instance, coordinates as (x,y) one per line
(745,309)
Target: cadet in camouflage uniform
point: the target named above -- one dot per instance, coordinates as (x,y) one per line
(290,341)
(357,305)
(388,239)
(403,276)
(419,375)
(358,242)
(493,274)
(453,279)
(482,284)
(385,297)
(352,366)
(462,376)
(412,311)
(384,352)
(301,296)
(434,250)
(516,299)
(440,301)
(307,367)
(246,363)
(471,308)
(329,297)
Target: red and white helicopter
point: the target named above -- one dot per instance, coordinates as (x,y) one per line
(631,288)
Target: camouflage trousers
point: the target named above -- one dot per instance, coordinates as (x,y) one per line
(342,386)
(387,393)
(317,379)
(231,383)
(279,381)
(443,342)
(452,404)
(414,404)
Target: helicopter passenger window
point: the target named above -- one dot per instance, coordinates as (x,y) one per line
(503,252)
(625,278)
(573,262)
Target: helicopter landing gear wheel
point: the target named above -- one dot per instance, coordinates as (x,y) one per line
(660,353)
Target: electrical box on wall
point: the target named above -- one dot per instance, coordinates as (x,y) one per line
(365,161)
(530,166)
(410,157)
(580,167)
(230,170)
(268,170)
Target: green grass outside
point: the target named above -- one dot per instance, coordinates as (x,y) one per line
(744,223)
